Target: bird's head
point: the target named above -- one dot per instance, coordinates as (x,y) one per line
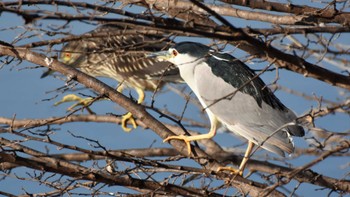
(72,53)
(183,53)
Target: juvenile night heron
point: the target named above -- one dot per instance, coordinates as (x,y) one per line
(234,96)
(120,57)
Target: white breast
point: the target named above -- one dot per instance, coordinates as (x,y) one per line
(189,72)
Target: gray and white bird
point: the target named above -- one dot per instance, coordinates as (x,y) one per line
(234,96)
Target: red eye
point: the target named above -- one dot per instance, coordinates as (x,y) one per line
(68,55)
(175,53)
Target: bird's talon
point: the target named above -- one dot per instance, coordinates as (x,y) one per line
(74,98)
(232,170)
(133,122)
(181,137)
(125,119)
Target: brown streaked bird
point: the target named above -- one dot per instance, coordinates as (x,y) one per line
(120,57)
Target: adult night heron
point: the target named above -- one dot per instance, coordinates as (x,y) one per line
(234,96)
(120,57)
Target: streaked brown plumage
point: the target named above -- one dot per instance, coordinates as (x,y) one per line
(123,58)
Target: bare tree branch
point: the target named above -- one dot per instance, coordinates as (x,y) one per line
(212,149)
(328,14)
(237,36)
(62,154)
(138,111)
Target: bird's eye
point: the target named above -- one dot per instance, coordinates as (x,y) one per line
(67,55)
(175,53)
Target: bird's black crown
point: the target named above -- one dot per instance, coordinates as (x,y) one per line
(192,48)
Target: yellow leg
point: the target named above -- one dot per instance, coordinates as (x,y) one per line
(246,156)
(243,162)
(128,116)
(188,139)
(120,88)
(79,101)
(141,94)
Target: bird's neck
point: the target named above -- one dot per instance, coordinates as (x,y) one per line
(188,72)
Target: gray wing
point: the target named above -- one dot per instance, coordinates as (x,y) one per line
(247,112)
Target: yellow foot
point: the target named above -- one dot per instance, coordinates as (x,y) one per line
(233,170)
(181,137)
(125,119)
(74,98)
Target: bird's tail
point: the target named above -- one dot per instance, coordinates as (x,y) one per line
(296,130)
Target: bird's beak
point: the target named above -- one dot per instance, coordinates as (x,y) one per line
(162,55)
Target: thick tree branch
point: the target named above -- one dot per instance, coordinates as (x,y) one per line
(185,10)
(328,14)
(183,6)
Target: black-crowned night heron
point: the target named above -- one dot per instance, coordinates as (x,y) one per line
(120,57)
(234,96)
